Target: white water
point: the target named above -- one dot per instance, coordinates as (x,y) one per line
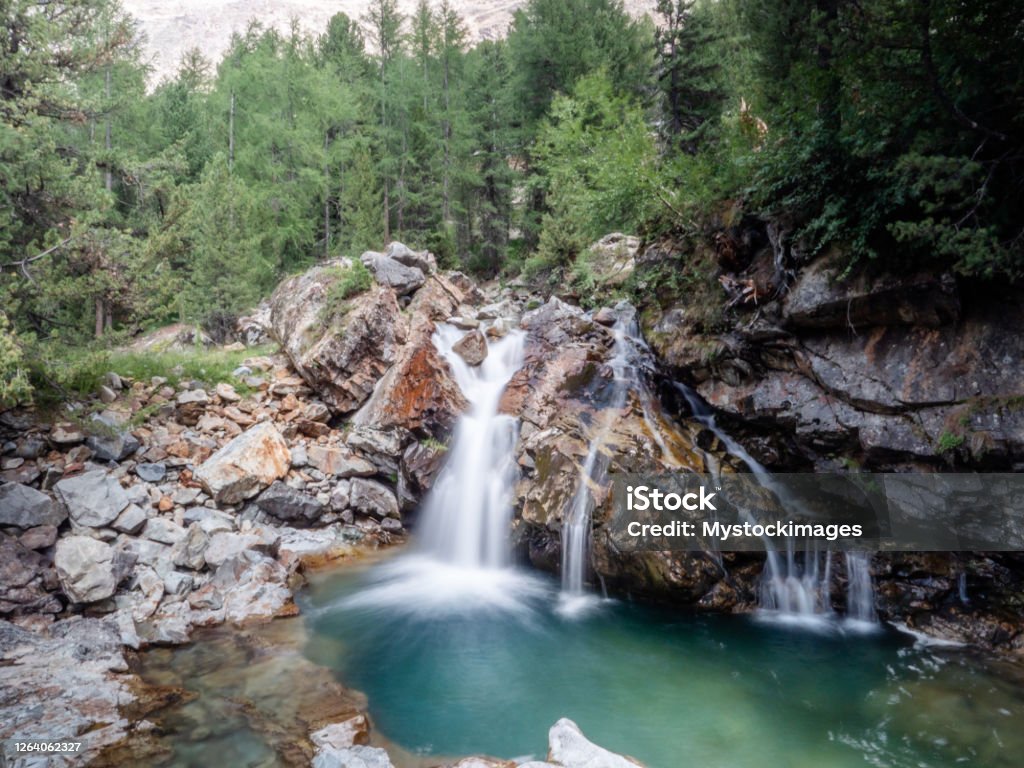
(796,587)
(461,563)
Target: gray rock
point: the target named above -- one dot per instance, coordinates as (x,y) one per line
(421,260)
(391,525)
(25,507)
(112,447)
(340,496)
(184,496)
(567,746)
(352,757)
(190,550)
(339,462)
(151,473)
(30,448)
(163,531)
(85,567)
(93,499)
(131,520)
(193,397)
(404,280)
(373,498)
(286,503)
(378,442)
(177,583)
(299,456)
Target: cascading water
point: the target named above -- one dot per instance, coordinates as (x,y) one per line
(795,586)
(461,562)
(467,515)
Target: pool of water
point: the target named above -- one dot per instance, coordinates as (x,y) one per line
(489,668)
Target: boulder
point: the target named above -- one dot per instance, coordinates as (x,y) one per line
(340,356)
(472,348)
(339,462)
(93,499)
(421,260)
(112,442)
(246,465)
(395,275)
(373,498)
(285,503)
(86,569)
(24,507)
(567,746)
(419,393)
(382,446)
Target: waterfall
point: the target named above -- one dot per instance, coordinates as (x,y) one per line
(467,515)
(460,563)
(798,585)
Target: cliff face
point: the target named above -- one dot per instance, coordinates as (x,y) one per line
(817,369)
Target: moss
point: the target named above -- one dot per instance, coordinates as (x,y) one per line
(433,444)
(949,442)
(345,282)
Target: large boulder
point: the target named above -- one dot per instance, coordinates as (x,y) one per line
(567,746)
(86,568)
(392,273)
(418,393)
(341,352)
(421,260)
(246,465)
(24,507)
(93,499)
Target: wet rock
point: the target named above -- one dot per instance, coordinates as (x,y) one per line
(246,465)
(341,359)
(86,569)
(472,348)
(285,503)
(395,275)
(373,498)
(93,499)
(421,464)
(605,316)
(418,393)
(24,507)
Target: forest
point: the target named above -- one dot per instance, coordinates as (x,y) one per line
(892,130)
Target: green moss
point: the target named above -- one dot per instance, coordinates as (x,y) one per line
(433,444)
(949,442)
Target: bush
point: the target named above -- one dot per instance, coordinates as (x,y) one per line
(14,383)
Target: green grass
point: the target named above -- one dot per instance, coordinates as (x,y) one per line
(63,372)
(949,442)
(347,282)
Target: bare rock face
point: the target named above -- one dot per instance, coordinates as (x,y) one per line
(418,393)
(565,394)
(246,465)
(472,348)
(341,351)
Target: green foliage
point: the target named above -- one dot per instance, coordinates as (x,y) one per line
(14,384)
(949,442)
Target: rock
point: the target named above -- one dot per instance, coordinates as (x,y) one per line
(340,496)
(225,545)
(286,503)
(343,359)
(30,448)
(163,531)
(227,393)
(65,435)
(246,465)
(386,271)
(605,316)
(26,578)
(373,498)
(612,259)
(819,299)
(24,507)
(114,445)
(464,323)
(391,525)
(421,464)
(177,583)
(131,520)
(352,757)
(253,586)
(382,446)
(85,567)
(421,260)
(472,348)
(40,537)
(340,463)
(567,746)
(348,733)
(93,499)
(151,473)
(106,394)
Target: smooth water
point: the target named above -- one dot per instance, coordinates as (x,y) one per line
(670,689)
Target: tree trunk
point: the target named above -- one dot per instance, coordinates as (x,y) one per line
(109,175)
(100,317)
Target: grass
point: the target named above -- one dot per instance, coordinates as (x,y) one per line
(346,283)
(64,372)
(949,442)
